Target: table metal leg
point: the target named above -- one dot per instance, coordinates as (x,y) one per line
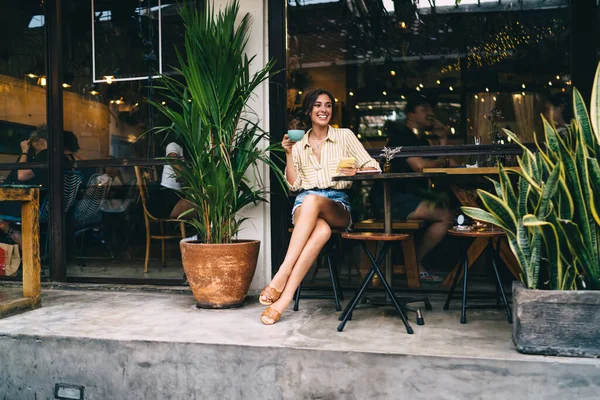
(387,227)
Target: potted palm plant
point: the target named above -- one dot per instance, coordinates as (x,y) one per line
(552,222)
(206,107)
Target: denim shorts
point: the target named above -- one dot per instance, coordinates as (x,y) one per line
(339,196)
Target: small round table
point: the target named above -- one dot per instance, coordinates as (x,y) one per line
(492,250)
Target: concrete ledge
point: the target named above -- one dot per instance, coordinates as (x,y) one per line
(153,346)
(109,369)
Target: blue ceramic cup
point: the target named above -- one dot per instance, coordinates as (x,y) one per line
(295,134)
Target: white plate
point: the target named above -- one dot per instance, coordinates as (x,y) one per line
(463,228)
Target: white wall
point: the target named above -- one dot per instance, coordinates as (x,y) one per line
(259,225)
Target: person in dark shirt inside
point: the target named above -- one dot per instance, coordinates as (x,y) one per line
(32,150)
(410,198)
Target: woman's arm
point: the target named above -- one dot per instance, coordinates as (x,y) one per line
(355,148)
(292,165)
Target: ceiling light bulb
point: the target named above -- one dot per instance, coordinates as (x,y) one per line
(393,73)
(351,93)
(451,88)
(109,79)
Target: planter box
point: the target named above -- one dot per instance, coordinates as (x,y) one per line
(556,322)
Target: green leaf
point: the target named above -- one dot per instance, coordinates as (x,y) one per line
(499,209)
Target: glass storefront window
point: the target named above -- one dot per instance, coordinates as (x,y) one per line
(106,110)
(468,58)
(22,110)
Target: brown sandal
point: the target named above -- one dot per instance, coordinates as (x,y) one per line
(271,294)
(271,314)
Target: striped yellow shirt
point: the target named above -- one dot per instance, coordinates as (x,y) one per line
(338,144)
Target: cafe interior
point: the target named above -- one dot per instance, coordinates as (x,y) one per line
(486,65)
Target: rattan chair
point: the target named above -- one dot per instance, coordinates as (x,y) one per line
(145,176)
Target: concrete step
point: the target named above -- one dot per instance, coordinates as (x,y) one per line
(115,345)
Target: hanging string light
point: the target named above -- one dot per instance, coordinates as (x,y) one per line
(502,45)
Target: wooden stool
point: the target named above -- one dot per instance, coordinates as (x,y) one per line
(328,251)
(410,227)
(493,255)
(388,239)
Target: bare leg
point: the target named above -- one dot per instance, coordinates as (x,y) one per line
(181,207)
(319,237)
(440,218)
(313,208)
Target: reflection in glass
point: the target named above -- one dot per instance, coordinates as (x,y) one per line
(469,58)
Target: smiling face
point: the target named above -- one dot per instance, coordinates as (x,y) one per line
(321,111)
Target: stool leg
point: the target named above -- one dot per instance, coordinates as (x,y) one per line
(334,284)
(330,254)
(339,284)
(451,292)
(297,297)
(499,282)
(352,304)
(463,311)
(387,287)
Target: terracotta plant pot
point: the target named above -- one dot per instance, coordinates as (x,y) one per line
(219,274)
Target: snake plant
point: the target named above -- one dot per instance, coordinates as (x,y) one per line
(207,110)
(552,216)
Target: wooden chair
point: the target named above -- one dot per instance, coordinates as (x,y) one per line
(408,227)
(144,176)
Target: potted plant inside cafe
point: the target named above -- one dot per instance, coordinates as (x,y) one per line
(552,222)
(206,105)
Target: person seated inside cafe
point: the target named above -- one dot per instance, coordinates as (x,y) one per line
(411,199)
(34,149)
(559,111)
(167,202)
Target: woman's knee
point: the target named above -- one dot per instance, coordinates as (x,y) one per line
(311,200)
(322,229)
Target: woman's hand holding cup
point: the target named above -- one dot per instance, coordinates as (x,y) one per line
(287,144)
